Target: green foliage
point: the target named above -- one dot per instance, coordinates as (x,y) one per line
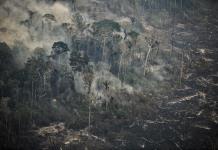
(78,61)
(133,35)
(33,81)
(60,44)
(106,26)
(36,67)
(6,59)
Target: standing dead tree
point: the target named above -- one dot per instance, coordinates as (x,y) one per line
(88,78)
(151,45)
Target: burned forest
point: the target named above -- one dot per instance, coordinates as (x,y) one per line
(109,74)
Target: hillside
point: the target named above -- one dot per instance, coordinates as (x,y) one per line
(108,74)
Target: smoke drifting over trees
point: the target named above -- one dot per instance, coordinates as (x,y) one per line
(108,74)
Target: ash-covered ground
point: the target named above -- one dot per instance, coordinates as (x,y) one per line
(108,74)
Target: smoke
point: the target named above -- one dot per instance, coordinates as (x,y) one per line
(34,23)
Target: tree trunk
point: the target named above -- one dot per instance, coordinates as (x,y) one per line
(146,60)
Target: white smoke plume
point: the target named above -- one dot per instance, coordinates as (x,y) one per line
(34,23)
